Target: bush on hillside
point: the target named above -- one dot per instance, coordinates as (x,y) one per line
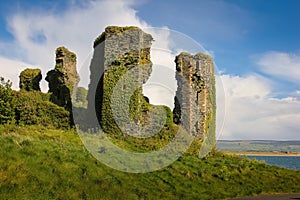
(6,102)
(34,107)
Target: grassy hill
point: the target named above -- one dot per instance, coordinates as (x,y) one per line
(40,163)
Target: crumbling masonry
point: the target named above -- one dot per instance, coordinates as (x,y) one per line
(195,99)
(119,49)
(30,79)
(116,51)
(63,78)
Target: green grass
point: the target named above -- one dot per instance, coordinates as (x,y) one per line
(40,163)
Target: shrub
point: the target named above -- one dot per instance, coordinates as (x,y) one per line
(7,102)
(34,107)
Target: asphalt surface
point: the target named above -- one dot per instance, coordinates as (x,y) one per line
(272,197)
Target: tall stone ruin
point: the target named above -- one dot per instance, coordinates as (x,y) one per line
(117,51)
(63,78)
(195,99)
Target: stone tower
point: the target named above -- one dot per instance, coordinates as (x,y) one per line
(195,100)
(116,51)
(63,78)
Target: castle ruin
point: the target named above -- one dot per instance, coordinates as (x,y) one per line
(63,78)
(118,50)
(30,79)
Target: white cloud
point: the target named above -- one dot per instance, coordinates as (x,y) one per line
(297,92)
(252,114)
(252,86)
(161,86)
(281,65)
(38,33)
(10,69)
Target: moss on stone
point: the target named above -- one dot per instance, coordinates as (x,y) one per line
(99,39)
(63,78)
(30,79)
(63,51)
(114,30)
(206,56)
(130,52)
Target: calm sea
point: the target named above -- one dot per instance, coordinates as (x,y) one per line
(289,162)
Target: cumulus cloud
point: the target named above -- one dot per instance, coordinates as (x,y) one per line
(38,33)
(281,65)
(297,92)
(161,86)
(251,113)
(10,69)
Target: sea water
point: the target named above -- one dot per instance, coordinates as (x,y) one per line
(289,162)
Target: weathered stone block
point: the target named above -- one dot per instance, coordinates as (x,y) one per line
(30,79)
(116,51)
(63,78)
(195,102)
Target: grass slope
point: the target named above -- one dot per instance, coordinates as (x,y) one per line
(40,163)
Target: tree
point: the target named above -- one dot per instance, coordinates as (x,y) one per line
(7,102)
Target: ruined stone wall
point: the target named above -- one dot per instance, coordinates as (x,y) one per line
(63,78)
(116,51)
(30,79)
(129,46)
(197,97)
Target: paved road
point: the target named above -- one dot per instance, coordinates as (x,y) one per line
(272,197)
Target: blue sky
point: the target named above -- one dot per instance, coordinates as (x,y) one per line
(235,30)
(255,45)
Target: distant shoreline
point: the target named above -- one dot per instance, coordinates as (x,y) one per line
(258,153)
